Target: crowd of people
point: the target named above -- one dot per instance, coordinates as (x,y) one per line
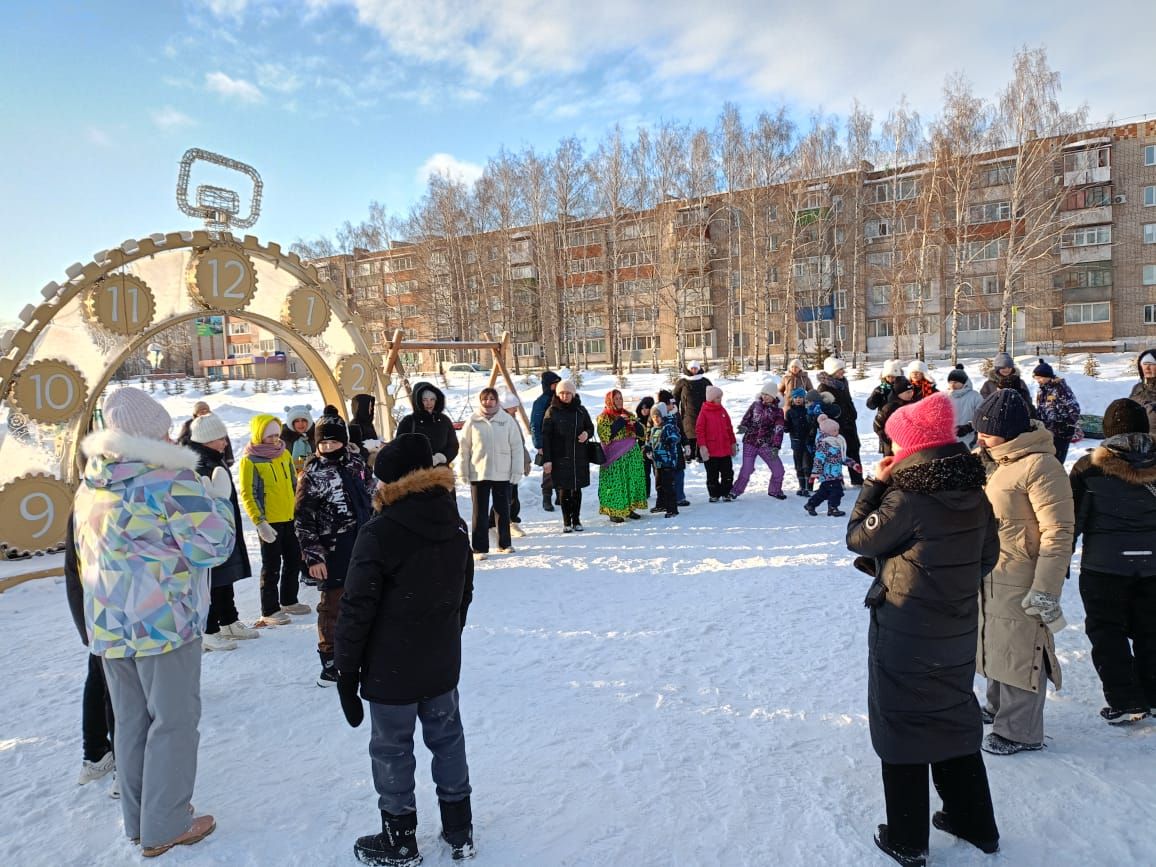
(967,529)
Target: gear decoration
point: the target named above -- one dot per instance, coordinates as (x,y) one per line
(221,277)
(49,391)
(306,311)
(121,304)
(36,508)
(355,375)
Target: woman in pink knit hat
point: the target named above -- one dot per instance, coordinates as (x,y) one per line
(927,535)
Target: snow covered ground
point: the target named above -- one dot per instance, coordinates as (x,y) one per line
(664,692)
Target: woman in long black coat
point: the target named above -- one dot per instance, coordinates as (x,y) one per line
(566,430)
(926,532)
(429,418)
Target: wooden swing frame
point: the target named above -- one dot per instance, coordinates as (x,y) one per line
(499,349)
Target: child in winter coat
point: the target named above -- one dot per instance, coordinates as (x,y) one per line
(665,441)
(267,489)
(830,458)
(298,435)
(965,400)
(798,424)
(879,395)
(902,393)
(715,436)
(1056,407)
(762,430)
(333,501)
(921,381)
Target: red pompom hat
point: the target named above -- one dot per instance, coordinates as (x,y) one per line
(922,425)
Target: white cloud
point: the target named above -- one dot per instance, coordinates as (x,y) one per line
(277,77)
(169,118)
(450,167)
(98,137)
(233,88)
(227,8)
(804,54)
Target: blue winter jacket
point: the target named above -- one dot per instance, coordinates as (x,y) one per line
(541,404)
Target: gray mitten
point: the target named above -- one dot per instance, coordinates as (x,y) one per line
(1045,606)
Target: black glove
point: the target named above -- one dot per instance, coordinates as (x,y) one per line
(348,683)
(617,425)
(963,430)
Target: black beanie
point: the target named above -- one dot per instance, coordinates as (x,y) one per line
(958,374)
(899,385)
(1003,414)
(1044,369)
(1124,416)
(330,427)
(403,455)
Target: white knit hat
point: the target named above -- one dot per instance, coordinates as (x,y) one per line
(1148,358)
(131,411)
(892,368)
(206,428)
(292,413)
(510,400)
(916,365)
(566,385)
(833,364)
(770,386)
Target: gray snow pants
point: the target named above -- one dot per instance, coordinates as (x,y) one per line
(391,751)
(1019,713)
(157,703)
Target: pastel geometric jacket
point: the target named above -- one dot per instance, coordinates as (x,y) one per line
(147,533)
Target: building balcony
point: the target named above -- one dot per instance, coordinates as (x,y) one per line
(1082,176)
(1088,216)
(1091,253)
(1086,293)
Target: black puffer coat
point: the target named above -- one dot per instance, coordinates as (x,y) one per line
(436,426)
(1144,392)
(690,392)
(410,583)
(932,536)
(237,566)
(1114,489)
(363,407)
(333,497)
(560,446)
(841,391)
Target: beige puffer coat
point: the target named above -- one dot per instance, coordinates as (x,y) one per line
(1032,500)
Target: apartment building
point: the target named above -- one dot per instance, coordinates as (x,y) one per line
(1055,236)
(229,347)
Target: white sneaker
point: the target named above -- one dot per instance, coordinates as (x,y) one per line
(90,771)
(478,555)
(239,631)
(114,792)
(277,618)
(516,531)
(216,642)
(296,608)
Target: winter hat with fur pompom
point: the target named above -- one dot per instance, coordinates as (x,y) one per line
(958,374)
(922,425)
(131,411)
(1044,369)
(891,368)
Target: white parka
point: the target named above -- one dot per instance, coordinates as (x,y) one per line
(491,449)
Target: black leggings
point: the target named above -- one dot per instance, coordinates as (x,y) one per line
(571,506)
(96,720)
(962,786)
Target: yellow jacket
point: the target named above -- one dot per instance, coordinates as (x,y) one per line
(267,487)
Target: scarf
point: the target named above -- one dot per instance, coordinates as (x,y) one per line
(609,402)
(490,413)
(260,450)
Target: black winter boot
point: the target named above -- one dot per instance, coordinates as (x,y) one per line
(942,821)
(903,855)
(457,828)
(328,676)
(395,846)
(547,503)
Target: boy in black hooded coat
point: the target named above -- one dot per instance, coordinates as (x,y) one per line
(398,639)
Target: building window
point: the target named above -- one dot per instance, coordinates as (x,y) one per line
(880,328)
(1150,155)
(985,251)
(774,338)
(243,349)
(1150,233)
(912,292)
(989,212)
(880,294)
(989,285)
(879,260)
(238,327)
(1149,275)
(995,176)
(839,299)
(1089,197)
(1082,278)
(985,321)
(1150,197)
(471,257)
(700,340)
(1150,314)
(1082,314)
(1085,160)
(1087,236)
(635,344)
(524,350)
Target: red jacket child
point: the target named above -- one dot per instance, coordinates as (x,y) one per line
(714,430)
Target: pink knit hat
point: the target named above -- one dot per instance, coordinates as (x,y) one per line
(922,425)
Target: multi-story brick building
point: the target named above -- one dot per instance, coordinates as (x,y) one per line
(1053,240)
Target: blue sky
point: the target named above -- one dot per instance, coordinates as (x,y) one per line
(338,102)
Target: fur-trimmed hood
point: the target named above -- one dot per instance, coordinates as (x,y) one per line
(428,479)
(1129,457)
(939,469)
(117,447)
